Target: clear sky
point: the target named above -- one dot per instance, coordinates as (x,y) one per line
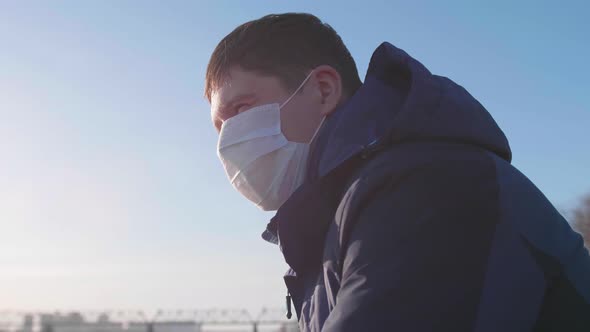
(111,193)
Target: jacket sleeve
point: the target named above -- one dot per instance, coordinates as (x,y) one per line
(416,256)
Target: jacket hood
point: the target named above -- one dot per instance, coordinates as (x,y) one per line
(401,101)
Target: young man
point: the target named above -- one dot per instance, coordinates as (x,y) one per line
(398,208)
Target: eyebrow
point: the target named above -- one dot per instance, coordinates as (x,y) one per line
(225,107)
(223,111)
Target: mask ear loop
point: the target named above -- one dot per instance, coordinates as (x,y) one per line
(317,130)
(293,95)
(296,90)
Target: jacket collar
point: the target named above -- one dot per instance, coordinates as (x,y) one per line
(300,225)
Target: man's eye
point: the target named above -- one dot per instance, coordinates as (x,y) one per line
(242,108)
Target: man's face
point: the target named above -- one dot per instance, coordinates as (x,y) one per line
(244,90)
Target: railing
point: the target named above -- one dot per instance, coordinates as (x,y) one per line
(140,321)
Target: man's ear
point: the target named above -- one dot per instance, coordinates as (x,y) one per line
(329,90)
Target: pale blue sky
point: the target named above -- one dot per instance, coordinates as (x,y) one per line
(111,193)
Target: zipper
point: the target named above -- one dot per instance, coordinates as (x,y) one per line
(289,305)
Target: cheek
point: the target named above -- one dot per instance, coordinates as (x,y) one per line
(299,121)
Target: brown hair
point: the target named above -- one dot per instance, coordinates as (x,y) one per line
(283,45)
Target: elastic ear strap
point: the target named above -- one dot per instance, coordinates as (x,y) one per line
(317,130)
(297,90)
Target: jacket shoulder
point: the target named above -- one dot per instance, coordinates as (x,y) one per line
(429,177)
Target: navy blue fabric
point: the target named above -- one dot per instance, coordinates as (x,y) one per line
(400,100)
(413,219)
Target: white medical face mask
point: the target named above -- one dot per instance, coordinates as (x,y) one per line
(260,162)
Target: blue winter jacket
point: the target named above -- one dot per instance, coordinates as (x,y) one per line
(413,219)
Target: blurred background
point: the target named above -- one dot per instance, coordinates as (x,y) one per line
(112,198)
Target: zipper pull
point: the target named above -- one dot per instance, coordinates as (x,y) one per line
(289,306)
